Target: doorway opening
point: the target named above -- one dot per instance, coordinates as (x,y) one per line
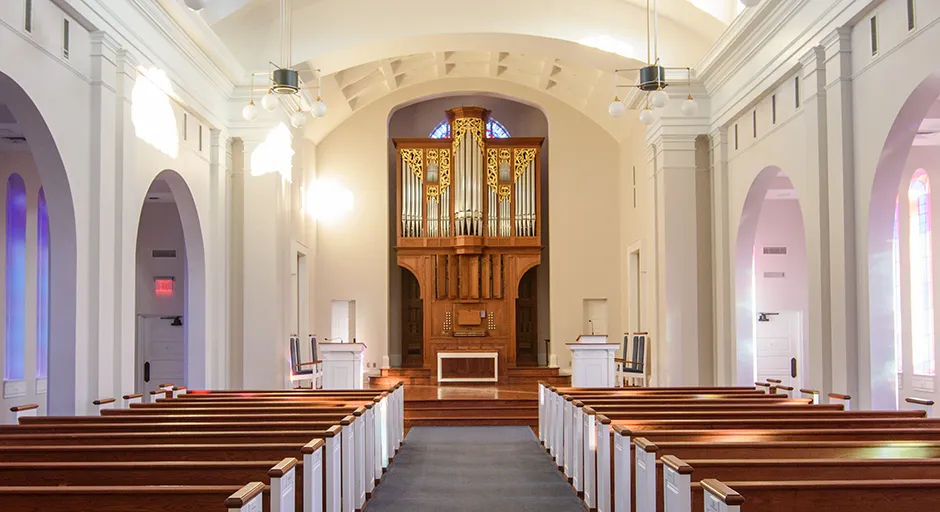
(527,319)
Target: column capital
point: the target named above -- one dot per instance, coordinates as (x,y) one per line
(813,60)
(127,63)
(838,41)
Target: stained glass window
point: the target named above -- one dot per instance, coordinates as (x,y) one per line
(15,360)
(896,277)
(922,333)
(494,130)
(42,285)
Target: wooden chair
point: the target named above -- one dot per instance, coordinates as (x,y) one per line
(304,371)
(633,369)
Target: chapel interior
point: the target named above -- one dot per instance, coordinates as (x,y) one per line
(502,254)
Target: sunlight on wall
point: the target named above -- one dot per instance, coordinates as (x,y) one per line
(612,45)
(275,154)
(329,200)
(151,112)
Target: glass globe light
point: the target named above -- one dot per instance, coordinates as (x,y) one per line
(647,116)
(750,3)
(616,108)
(196,5)
(689,106)
(660,98)
(250,112)
(269,101)
(319,108)
(298,119)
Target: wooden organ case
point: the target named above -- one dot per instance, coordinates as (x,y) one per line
(469,229)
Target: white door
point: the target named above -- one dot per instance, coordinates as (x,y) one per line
(161,353)
(778,339)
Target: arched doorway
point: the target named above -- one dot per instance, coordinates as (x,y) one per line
(39,348)
(170,284)
(902,289)
(412,321)
(771,283)
(527,319)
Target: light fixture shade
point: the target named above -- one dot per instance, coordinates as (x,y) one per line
(689,106)
(647,116)
(298,119)
(616,108)
(250,112)
(660,98)
(269,101)
(750,3)
(196,5)
(319,108)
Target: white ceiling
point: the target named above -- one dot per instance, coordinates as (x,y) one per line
(366,49)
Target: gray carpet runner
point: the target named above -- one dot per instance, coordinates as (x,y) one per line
(473,469)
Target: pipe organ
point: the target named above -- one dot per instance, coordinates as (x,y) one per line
(469,228)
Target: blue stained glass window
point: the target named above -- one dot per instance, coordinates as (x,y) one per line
(15,360)
(494,130)
(42,284)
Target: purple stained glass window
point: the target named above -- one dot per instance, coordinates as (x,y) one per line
(42,285)
(15,361)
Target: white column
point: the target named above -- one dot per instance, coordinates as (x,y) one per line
(265,243)
(126,242)
(104,216)
(724,353)
(841,176)
(814,203)
(679,245)
(217,271)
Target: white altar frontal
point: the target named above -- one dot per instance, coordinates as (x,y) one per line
(592,362)
(342,365)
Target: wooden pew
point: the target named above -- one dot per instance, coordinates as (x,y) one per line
(194,498)
(646,453)
(852,495)
(678,477)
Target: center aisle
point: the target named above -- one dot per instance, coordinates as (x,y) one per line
(473,469)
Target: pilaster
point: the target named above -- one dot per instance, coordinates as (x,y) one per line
(103,269)
(216,251)
(125,247)
(724,350)
(814,201)
(679,200)
(841,189)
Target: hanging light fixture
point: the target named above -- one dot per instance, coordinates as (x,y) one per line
(284,80)
(653,75)
(616,108)
(750,3)
(196,5)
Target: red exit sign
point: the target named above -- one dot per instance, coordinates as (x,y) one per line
(163,286)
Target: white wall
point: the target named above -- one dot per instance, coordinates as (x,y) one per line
(584,223)
(160,228)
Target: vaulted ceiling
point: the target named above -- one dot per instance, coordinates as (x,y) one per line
(368,48)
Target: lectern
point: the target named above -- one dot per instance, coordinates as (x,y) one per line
(592,361)
(342,365)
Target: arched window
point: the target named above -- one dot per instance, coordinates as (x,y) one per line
(494,130)
(15,280)
(896,276)
(922,335)
(42,287)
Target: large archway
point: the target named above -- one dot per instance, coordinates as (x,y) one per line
(771,283)
(171,289)
(915,125)
(46,365)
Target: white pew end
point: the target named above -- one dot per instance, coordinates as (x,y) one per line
(836,398)
(313,475)
(677,485)
(104,403)
(246,499)
(922,404)
(645,474)
(810,393)
(21,411)
(721,498)
(282,485)
(133,398)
